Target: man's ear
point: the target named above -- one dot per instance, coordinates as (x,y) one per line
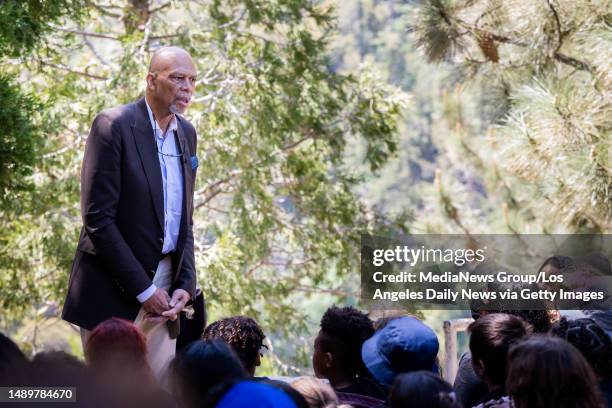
(151,81)
(328,359)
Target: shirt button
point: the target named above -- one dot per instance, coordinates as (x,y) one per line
(161,240)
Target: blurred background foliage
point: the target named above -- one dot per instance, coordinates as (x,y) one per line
(317,121)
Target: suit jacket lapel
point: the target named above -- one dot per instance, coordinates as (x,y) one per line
(147,149)
(187,175)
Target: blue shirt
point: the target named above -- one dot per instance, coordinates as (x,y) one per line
(172,180)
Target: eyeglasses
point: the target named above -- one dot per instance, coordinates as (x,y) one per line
(168,154)
(180,79)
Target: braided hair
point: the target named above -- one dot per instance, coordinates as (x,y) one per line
(242,333)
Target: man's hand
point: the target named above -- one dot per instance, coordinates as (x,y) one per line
(158,303)
(180,297)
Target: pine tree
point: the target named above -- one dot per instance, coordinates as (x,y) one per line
(528,145)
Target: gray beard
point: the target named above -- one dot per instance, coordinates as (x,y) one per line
(173,108)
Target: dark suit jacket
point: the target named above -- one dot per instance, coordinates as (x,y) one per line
(123,217)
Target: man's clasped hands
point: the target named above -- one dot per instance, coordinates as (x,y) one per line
(161,307)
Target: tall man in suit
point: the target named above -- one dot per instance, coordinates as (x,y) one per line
(135,256)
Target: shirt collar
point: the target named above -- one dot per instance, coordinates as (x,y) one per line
(171,127)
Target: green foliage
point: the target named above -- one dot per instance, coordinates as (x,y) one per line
(19,142)
(24,197)
(24,22)
(436,34)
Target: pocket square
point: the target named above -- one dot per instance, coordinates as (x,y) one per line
(194,162)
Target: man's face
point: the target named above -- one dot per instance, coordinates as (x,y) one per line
(173,86)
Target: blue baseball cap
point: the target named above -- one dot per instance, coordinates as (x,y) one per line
(250,394)
(405,344)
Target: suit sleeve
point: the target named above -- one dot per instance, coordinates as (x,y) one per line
(100,192)
(187,277)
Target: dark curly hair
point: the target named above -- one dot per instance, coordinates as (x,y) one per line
(592,341)
(344,331)
(242,333)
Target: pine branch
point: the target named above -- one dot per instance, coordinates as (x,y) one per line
(85,33)
(214,189)
(478,33)
(64,68)
(210,207)
(236,20)
(558,25)
(576,63)
(449,207)
(103,9)
(317,290)
(95,53)
(293,145)
(471,152)
(163,37)
(163,6)
(211,192)
(486,13)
